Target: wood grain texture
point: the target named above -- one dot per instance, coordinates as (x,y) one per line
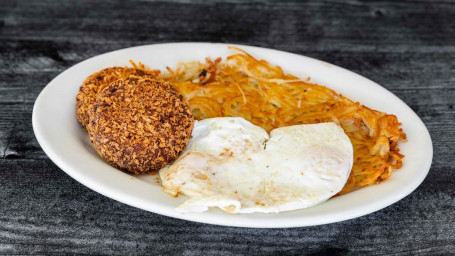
(407,46)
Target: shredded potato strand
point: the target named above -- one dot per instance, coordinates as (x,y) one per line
(263,94)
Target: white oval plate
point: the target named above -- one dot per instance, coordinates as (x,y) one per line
(67,144)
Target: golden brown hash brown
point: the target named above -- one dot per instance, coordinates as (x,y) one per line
(140,124)
(95,83)
(263,94)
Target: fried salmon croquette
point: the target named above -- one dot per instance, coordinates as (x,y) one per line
(95,83)
(140,124)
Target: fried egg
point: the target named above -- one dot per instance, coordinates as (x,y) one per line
(236,166)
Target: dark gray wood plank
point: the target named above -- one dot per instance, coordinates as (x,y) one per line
(57,214)
(406,46)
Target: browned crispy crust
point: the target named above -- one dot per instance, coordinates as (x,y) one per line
(95,83)
(140,124)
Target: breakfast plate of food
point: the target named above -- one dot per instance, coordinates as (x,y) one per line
(232,135)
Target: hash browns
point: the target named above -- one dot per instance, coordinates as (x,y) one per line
(266,96)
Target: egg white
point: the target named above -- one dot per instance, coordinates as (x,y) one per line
(236,166)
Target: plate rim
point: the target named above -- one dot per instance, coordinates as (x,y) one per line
(70,170)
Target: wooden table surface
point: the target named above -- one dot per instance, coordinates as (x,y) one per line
(407,47)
